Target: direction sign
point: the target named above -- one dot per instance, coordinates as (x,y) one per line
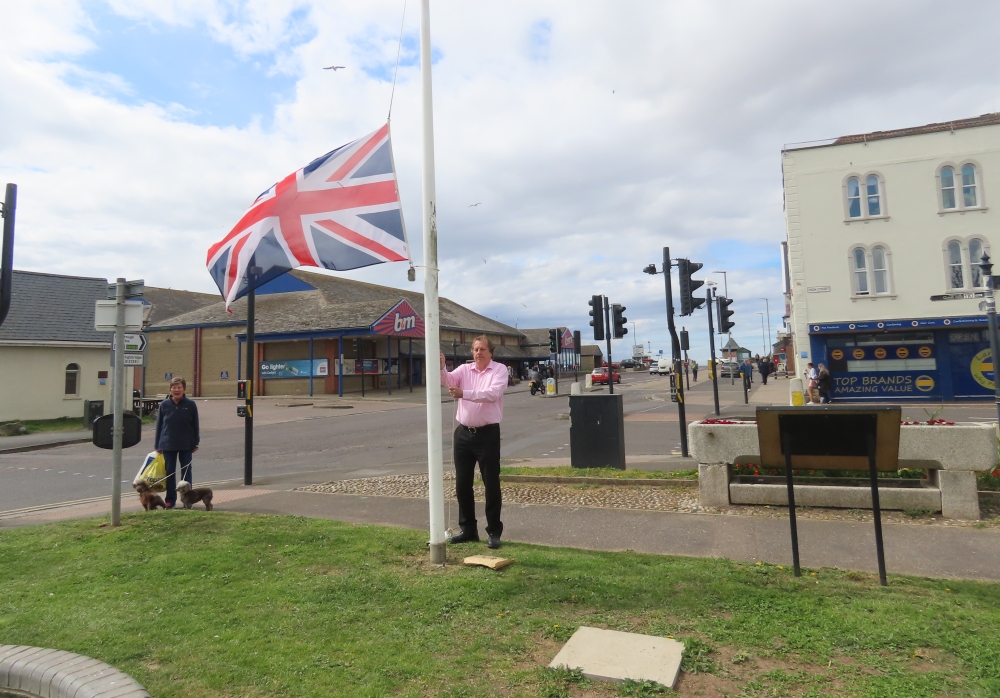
(133,342)
(134,359)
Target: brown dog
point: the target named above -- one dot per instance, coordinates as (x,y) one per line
(149,498)
(192,495)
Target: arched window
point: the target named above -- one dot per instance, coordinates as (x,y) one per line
(955,277)
(975,259)
(874,207)
(72,379)
(969,186)
(853,198)
(947,187)
(880,270)
(860,272)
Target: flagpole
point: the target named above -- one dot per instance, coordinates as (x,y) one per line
(432,319)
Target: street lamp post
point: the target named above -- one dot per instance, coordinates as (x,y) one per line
(725,283)
(767,306)
(991,317)
(762,332)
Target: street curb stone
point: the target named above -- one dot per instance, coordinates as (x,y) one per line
(50,673)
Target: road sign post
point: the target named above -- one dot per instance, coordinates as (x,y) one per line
(127,316)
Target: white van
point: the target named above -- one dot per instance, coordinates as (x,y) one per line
(663,367)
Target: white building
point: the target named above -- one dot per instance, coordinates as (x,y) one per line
(884,231)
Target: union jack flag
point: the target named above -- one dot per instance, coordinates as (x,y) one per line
(341,211)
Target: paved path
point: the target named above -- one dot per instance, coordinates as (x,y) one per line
(45,439)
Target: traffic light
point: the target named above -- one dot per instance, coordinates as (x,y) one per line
(597,316)
(688,286)
(618,319)
(241,390)
(723,303)
(685,341)
(553,341)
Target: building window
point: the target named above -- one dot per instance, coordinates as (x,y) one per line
(871,184)
(880,270)
(865,196)
(947,187)
(962,259)
(975,259)
(955,279)
(860,272)
(853,198)
(871,270)
(971,194)
(72,379)
(969,186)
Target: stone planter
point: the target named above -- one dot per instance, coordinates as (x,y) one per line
(952,455)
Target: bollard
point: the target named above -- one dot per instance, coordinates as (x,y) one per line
(795,398)
(574,388)
(588,382)
(550,386)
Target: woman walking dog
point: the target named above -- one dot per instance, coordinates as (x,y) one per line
(177,435)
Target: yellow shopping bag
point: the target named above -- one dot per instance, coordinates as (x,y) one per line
(153,471)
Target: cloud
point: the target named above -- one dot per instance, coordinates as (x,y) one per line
(594,135)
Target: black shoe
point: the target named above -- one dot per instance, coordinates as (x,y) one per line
(465,537)
(493,543)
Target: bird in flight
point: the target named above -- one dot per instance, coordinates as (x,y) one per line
(475,204)
(334,67)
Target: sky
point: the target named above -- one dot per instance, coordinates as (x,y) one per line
(592,135)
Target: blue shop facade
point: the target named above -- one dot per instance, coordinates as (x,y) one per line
(922,359)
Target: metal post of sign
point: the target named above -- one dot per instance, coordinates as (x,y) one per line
(310,367)
(713,368)
(388,363)
(786,446)
(687,378)
(991,317)
(410,352)
(252,272)
(340,366)
(558,357)
(7,250)
(117,395)
(876,510)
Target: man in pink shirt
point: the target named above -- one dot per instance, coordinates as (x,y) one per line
(478,389)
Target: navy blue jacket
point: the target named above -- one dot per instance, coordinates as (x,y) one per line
(177,426)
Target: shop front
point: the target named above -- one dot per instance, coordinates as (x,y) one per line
(930,359)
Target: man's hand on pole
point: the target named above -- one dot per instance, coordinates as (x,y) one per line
(455,391)
(442,360)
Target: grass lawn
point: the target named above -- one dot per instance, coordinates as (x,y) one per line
(224,604)
(569,471)
(35,426)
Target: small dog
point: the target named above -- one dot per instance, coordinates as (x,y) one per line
(192,495)
(149,498)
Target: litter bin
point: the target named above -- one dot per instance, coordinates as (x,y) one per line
(92,409)
(597,431)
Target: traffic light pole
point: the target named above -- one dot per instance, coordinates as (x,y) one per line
(251,378)
(7,250)
(558,356)
(675,348)
(711,349)
(607,335)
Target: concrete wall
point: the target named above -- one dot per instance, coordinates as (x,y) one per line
(33,380)
(914,227)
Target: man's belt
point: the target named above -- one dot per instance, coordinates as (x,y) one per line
(473,430)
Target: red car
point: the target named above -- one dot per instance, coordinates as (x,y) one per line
(600,375)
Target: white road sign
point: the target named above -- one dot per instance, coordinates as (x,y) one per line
(105,311)
(133,342)
(134,359)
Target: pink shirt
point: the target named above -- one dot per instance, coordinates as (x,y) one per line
(482,392)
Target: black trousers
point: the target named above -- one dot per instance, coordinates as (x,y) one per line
(482,446)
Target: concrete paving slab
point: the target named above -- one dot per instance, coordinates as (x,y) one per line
(610,655)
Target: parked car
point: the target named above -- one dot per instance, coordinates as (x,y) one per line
(728,369)
(663,367)
(600,376)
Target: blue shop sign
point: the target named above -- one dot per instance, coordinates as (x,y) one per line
(909,324)
(298,368)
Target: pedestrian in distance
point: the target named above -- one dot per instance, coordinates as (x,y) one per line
(764,366)
(478,390)
(824,385)
(177,436)
(694,370)
(747,370)
(812,383)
